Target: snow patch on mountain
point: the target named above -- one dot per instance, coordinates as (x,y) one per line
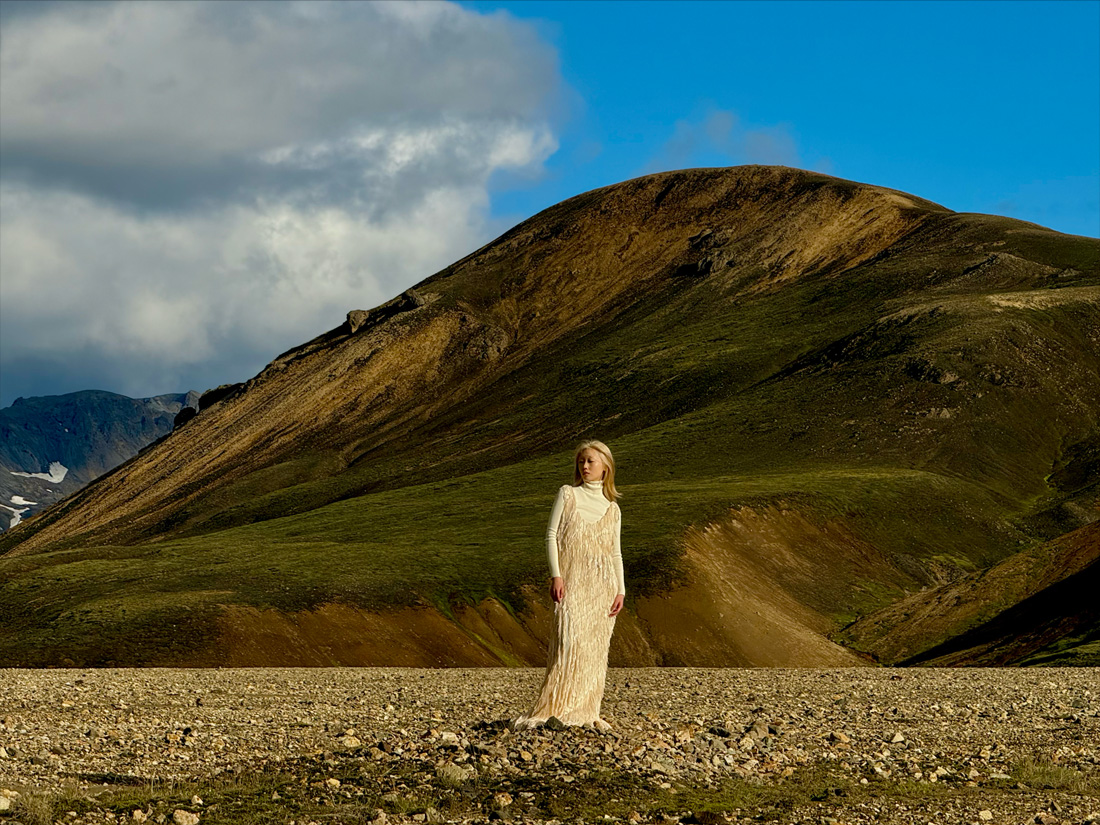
(17,515)
(21,500)
(56,474)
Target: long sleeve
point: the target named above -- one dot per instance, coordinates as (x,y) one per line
(552,533)
(618,554)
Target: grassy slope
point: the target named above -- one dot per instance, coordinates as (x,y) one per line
(826,392)
(943,618)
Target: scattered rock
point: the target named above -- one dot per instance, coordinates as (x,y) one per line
(451,775)
(671,726)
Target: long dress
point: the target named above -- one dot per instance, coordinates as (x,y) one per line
(576,667)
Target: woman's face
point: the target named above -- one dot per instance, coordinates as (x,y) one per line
(591,465)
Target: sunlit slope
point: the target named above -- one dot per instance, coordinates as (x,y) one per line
(1057,624)
(861,393)
(1003,614)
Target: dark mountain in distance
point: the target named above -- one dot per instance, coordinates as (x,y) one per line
(824,398)
(51,446)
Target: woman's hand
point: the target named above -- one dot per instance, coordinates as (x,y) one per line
(557,589)
(617,605)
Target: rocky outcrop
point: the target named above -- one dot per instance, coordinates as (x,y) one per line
(407,301)
(211,397)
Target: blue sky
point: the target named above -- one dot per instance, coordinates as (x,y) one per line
(189,188)
(980,106)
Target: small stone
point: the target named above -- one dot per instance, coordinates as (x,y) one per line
(5,803)
(759,729)
(451,775)
(501,800)
(332,782)
(554,723)
(897,738)
(841,737)
(182,817)
(985,816)
(349,741)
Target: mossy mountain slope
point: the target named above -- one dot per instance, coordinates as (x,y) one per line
(965,613)
(782,361)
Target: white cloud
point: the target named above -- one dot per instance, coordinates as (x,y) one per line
(164,292)
(191,187)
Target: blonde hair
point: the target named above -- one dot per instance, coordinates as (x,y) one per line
(609,491)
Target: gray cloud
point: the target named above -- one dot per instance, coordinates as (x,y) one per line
(187,184)
(157,102)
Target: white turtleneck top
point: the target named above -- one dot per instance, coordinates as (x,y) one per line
(591,506)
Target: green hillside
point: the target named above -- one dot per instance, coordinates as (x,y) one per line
(868,393)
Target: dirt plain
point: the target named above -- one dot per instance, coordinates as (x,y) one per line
(688,745)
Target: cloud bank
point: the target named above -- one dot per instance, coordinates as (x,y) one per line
(189,188)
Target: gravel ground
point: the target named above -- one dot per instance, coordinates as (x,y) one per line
(931,746)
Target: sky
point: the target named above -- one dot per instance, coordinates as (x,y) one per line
(189,189)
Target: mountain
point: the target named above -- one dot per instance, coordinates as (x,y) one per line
(52,446)
(823,396)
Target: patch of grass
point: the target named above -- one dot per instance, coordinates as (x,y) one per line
(1045,775)
(345,788)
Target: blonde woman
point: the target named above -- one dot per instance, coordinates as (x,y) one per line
(587,586)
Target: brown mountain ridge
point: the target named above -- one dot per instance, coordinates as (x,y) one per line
(825,397)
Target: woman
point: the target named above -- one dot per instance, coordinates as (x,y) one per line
(587,586)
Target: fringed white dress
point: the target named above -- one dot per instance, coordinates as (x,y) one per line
(587,548)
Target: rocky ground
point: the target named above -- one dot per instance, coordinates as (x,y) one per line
(313,746)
